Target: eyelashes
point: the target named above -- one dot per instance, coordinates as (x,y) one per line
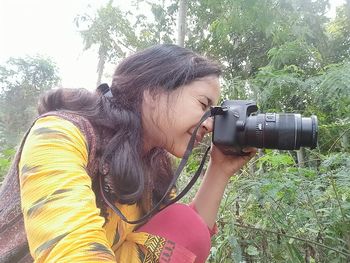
(204,105)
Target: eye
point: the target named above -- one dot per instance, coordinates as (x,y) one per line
(204,105)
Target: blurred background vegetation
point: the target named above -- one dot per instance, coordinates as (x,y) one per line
(285,206)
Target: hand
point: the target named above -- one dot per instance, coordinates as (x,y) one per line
(228,165)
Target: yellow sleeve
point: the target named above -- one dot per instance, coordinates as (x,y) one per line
(61,219)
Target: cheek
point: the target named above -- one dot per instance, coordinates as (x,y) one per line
(167,126)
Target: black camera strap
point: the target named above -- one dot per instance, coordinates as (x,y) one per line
(210,113)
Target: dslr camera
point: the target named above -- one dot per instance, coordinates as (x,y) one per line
(239,126)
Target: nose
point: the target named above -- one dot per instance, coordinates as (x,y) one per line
(208,124)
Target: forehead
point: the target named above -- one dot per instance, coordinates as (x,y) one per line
(207,86)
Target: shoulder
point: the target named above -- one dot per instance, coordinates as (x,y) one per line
(73,122)
(53,133)
(54,126)
(80,128)
(82,123)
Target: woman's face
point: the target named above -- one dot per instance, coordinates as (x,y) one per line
(169,119)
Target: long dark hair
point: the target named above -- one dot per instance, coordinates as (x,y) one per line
(132,175)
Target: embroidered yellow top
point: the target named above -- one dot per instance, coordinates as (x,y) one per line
(61,219)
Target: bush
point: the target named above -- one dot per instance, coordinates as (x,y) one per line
(5,161)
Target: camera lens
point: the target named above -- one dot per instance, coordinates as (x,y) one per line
(280,131)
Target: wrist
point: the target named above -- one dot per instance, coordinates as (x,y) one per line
(221,169)
(217,173)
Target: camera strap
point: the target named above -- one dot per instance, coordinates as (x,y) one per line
(161,205)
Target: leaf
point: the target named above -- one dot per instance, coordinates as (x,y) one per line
(252,251)
(236,253)
(295,253)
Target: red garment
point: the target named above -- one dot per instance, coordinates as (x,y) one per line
(182,224)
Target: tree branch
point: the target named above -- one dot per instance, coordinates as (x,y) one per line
(296,238)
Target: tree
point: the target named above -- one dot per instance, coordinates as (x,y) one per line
(241,33)
(110,31)
(22,80)
(117,33)
(162,28)
(181,28)
(339,34)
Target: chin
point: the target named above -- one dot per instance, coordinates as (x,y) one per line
(179,153)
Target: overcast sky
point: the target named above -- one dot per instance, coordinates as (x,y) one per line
(45,27)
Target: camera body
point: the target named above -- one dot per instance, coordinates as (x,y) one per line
(238,127)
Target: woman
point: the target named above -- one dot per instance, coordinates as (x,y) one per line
(156,99)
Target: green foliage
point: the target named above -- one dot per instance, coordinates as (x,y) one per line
(339,33)
(161,29)
(232,31)
(242,33)
(295,52)
(276,160)
(285,213)
(282,90)
(22,80)
(334,91)
(5,161)
(109,29)
(117,32)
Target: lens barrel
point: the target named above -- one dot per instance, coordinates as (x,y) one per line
(280,131)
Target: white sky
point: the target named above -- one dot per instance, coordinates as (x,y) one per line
(45,27)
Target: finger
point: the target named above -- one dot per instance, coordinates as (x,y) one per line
(250,149)
(251,152)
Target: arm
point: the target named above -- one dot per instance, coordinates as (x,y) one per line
(61,219)
(221,167)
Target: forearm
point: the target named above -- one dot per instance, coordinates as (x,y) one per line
(208,198)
